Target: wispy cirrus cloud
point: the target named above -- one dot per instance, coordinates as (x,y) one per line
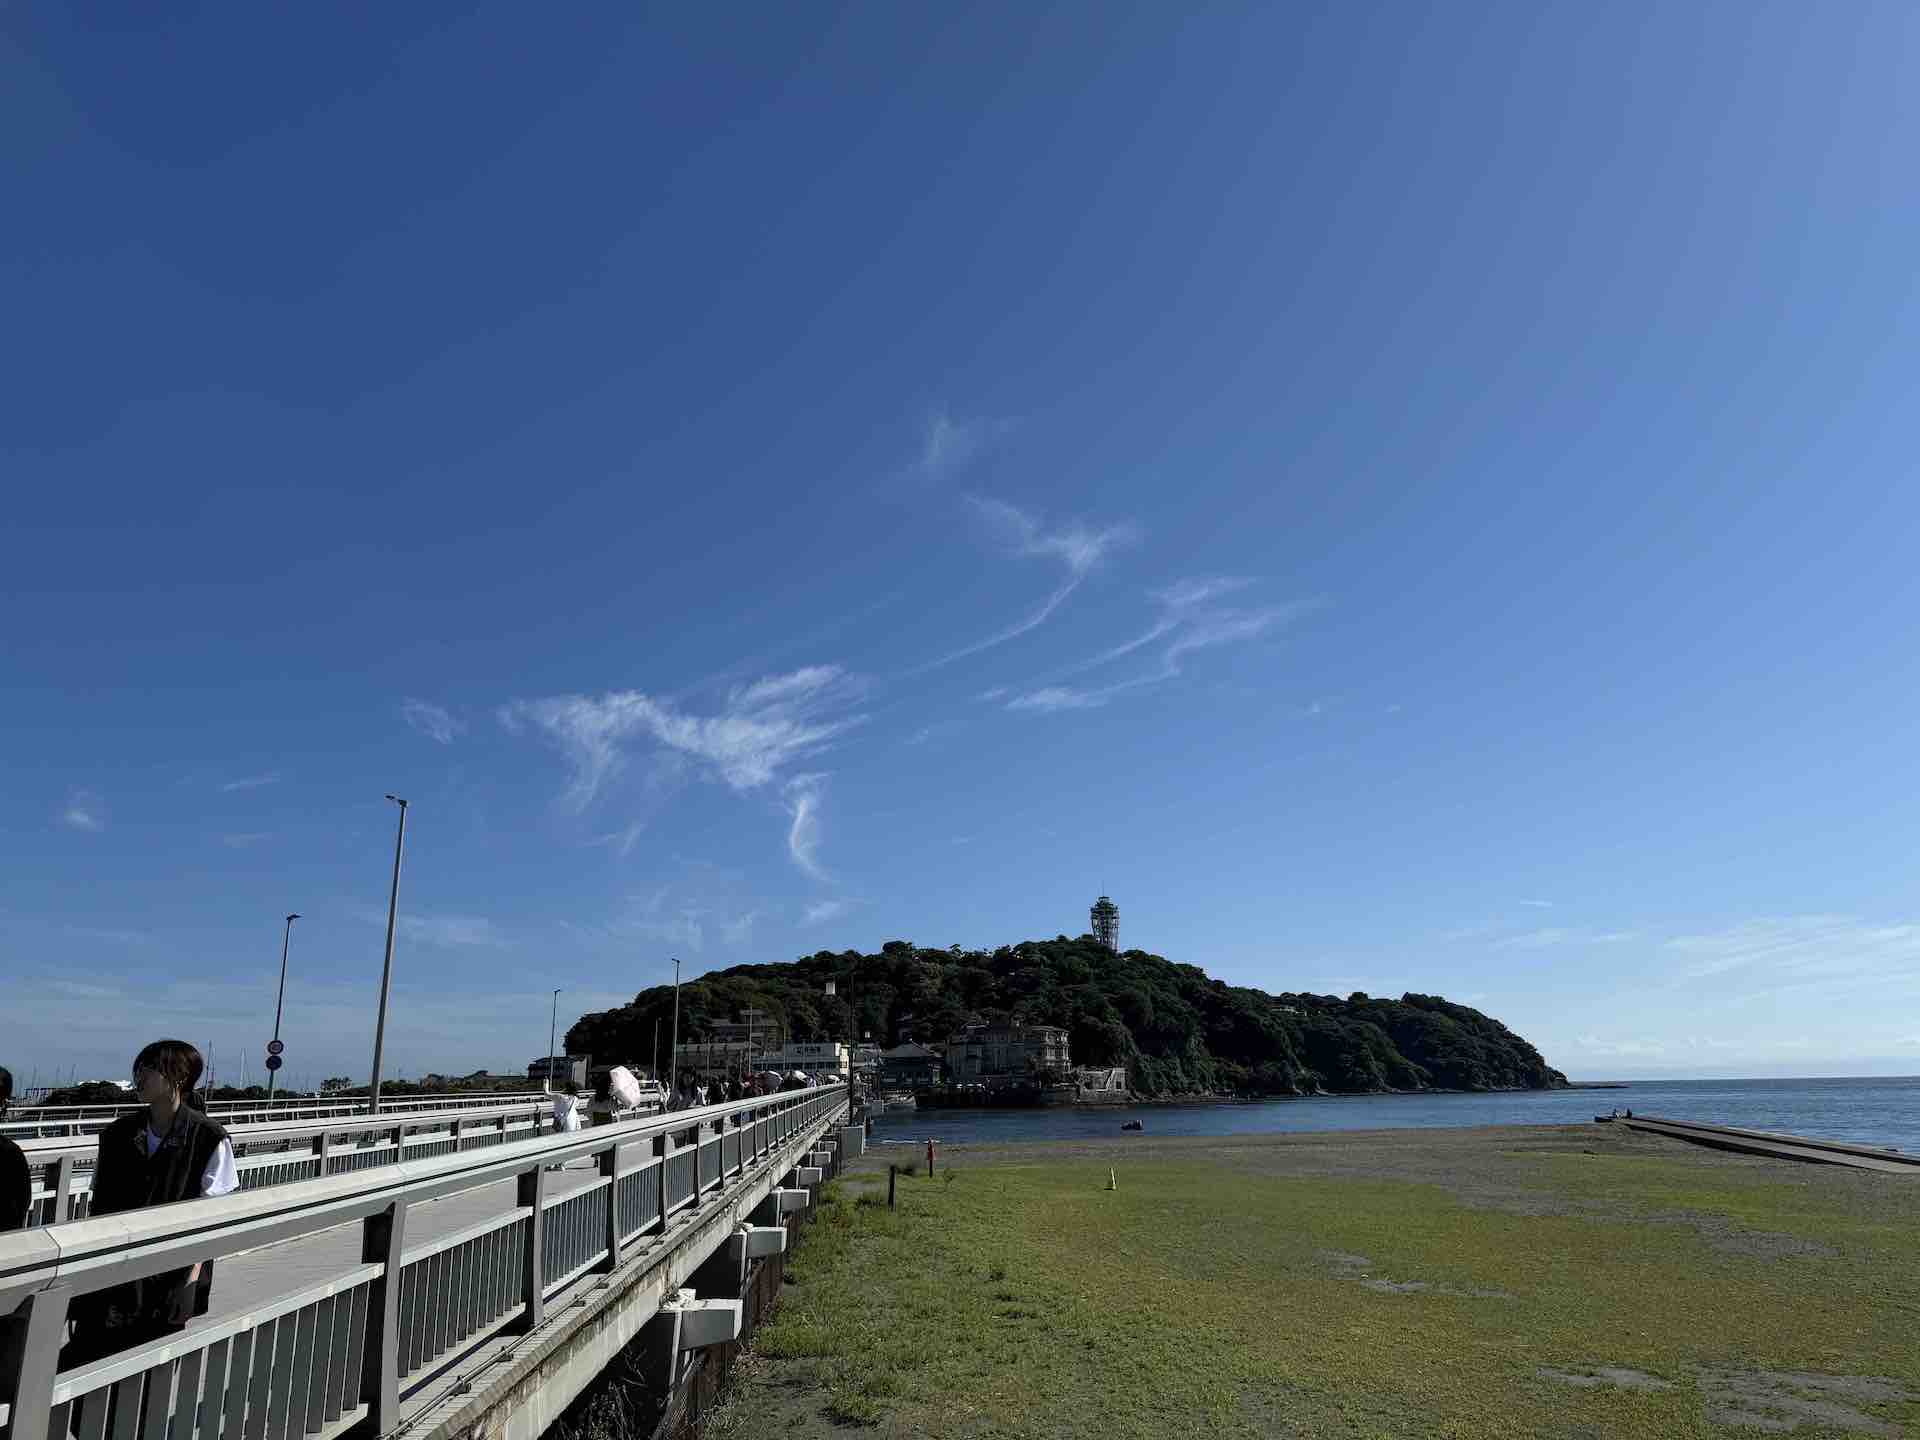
(245,839)
(1804,950)
(1621,1045)
(948,446)
(757,731)
(1536,904)
(739,929)
(109,934)
(623,839)
(819,912)
(1191,619)
(803,794)
(252,782)
(85,811)
(448,931)
(435,722)
(1077,547)
(1553,936)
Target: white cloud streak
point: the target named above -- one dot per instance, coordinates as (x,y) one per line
(803,794)
(760,728)
(245,840)
(821,911)
(433,721)
(1555,936)
(1190,620)
(1077,547)
(252,782)
(85,811)
(1804,950)
(948,446)
(622,840)
(451,932)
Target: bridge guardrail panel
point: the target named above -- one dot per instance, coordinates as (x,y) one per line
(311,1365)
(639,1200)
(576,1231)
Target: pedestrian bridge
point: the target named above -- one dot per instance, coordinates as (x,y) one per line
(473,1292)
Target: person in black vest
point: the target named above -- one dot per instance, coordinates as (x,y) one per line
(167,1152)
(16,1184)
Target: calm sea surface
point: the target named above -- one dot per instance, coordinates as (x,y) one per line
(1873,1112)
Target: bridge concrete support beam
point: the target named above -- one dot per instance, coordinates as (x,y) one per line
(853,1141)
(763,1242)
(807,1176)
(706,1322)
(723,1274)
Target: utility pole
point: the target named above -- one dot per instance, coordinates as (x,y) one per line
(655,1075)
(279,1004)
(673,1087)
(386,970)
(553,1022)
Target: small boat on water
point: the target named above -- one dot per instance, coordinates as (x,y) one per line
(900,1100)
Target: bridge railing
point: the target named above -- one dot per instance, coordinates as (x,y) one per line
(69,1120)
(314,1363)
(61,1171)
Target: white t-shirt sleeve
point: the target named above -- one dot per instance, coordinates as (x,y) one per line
(222,1176)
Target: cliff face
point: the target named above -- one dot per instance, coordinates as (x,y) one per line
(1175,1030)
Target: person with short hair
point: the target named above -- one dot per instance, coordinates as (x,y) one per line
(16,1180)
(166,1153)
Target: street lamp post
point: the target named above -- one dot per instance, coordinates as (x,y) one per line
(386,970)
(673,1084)
(280,1003)
(553,1022)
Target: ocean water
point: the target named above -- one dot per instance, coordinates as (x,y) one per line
(1869,1112)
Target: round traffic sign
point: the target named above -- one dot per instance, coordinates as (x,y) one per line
(274,1062)
(274,1047)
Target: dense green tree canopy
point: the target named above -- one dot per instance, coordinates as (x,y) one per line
(1174,1029)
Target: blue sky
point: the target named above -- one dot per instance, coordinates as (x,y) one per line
(1400,497)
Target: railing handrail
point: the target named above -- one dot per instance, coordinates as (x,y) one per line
(50,1148)
(94,1253)
(33,1121)
(108,1109)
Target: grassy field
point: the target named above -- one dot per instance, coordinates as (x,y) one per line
(1579,1283)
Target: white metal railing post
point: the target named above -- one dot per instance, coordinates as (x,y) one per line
(63,1189)
(663,1148)
(610,1170)
(383,1239)
(30,1341)
(533,1270)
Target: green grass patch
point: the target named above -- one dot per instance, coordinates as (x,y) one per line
(1216,1296)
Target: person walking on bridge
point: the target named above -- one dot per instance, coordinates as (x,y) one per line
(16,1183)
(165,1153)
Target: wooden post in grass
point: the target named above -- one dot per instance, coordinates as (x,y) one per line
(892,1171)
(929,1157)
